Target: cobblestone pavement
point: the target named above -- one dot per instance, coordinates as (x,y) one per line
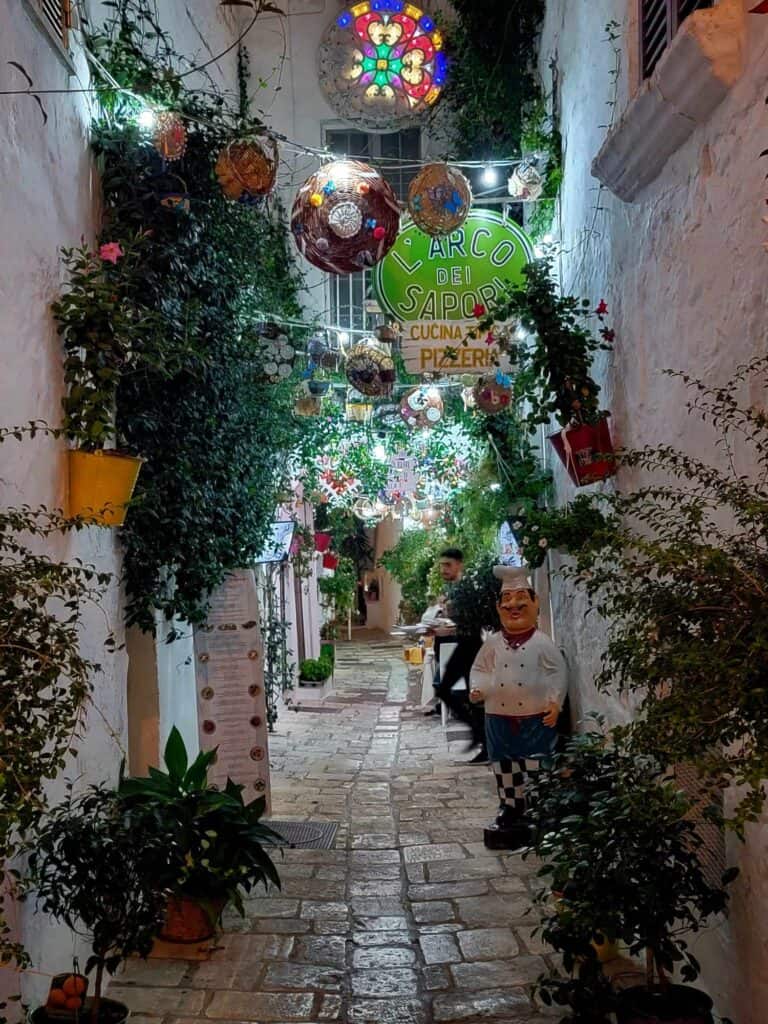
(408,920)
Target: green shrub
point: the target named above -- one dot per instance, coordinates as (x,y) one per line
(316,670)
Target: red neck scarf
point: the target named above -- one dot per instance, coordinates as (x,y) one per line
(515,640)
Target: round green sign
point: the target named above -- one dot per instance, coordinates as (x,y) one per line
(423,278)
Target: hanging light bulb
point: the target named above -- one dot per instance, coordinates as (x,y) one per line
(380,453)
(147,120)
(490,177)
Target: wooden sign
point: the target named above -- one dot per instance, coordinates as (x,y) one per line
(232,707)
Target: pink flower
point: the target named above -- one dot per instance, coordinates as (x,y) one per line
(479,310)
(490,340)
(608,334)
(602,309)
(110,252)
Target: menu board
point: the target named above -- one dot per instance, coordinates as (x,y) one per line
(231,703)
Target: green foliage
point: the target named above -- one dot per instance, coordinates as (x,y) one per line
(472,601)
(349,534)
(328,652)
(541,135)
(278,671)
(576,527)
(106,331)
(621,851)
(215,840)
(554,377)
(211,426)
(492,80)
(316,670)
(45,682)
(340,590)
(410,562)
(93,865)
(682,588)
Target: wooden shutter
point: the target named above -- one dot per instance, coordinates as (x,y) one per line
(56,17)
(659,21)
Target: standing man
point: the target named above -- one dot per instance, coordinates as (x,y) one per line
(521,677)
(460,663)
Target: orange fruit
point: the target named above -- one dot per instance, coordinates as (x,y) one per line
(57,997)
(75,985)
(74,1003)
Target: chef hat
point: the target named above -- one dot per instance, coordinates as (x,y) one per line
(512,578)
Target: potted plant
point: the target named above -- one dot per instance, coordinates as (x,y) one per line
(318,384)
(575,527)
(554,376)
(106,332)
(217,839)
(94,866)
(322,541)
(619,843)
(315,670)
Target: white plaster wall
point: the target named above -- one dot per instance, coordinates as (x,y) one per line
(684,273)
(385,613)
(49,199)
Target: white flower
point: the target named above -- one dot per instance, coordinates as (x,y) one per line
(517,525)
(534,529)
(526,540)
(543,542)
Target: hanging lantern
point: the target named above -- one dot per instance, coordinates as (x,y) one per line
(422,408)
(526,183)
(382,64)
(247,168)
(439,199)
(493,394)
(170,139)
(370,369)
(276,352)
(345,217)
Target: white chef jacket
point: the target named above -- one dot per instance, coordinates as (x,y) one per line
(519,682)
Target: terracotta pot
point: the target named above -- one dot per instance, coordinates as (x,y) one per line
(586,451)
(322,542)
(678,1004)
(191,920)
(330,561)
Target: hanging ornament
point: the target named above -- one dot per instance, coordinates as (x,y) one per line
(526,183)
(357,408)
(439,199)
(170,139)
(382,64)
(422,408)
(370,369)
(276,353)
(247,168)
(386,334)
(345,217)
(366,510)
(307,405)
(388,415)
(493,394)
(171,192)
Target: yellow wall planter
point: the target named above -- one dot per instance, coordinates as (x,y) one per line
(101,484)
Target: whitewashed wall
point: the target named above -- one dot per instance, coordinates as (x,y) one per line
(49,200)
(684,272)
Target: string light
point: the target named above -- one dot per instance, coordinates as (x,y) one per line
(380,453)
(147,120)
(490,176)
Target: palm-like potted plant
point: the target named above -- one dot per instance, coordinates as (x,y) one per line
(621,848)
(94,866)
(106,332)
(217,839)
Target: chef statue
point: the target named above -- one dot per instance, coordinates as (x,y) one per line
(520,676)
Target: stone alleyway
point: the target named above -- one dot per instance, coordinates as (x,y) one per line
(408,920)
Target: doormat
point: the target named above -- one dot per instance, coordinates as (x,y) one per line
(306,835)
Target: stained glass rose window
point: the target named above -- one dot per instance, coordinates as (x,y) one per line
(382,64)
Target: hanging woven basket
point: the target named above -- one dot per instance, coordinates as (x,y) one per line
(370,370)
(492,396)
(439,199)
(247,168)
(170,138)
(345,217)
(422,408)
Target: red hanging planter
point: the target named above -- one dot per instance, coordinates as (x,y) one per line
(322,542)
(586,451)
(330,561)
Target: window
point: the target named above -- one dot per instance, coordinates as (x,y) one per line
(659,21)
(349,293)
(55,18)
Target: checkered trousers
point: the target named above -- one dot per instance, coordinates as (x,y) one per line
(512,779)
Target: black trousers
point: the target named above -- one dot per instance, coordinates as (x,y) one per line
(459,667)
